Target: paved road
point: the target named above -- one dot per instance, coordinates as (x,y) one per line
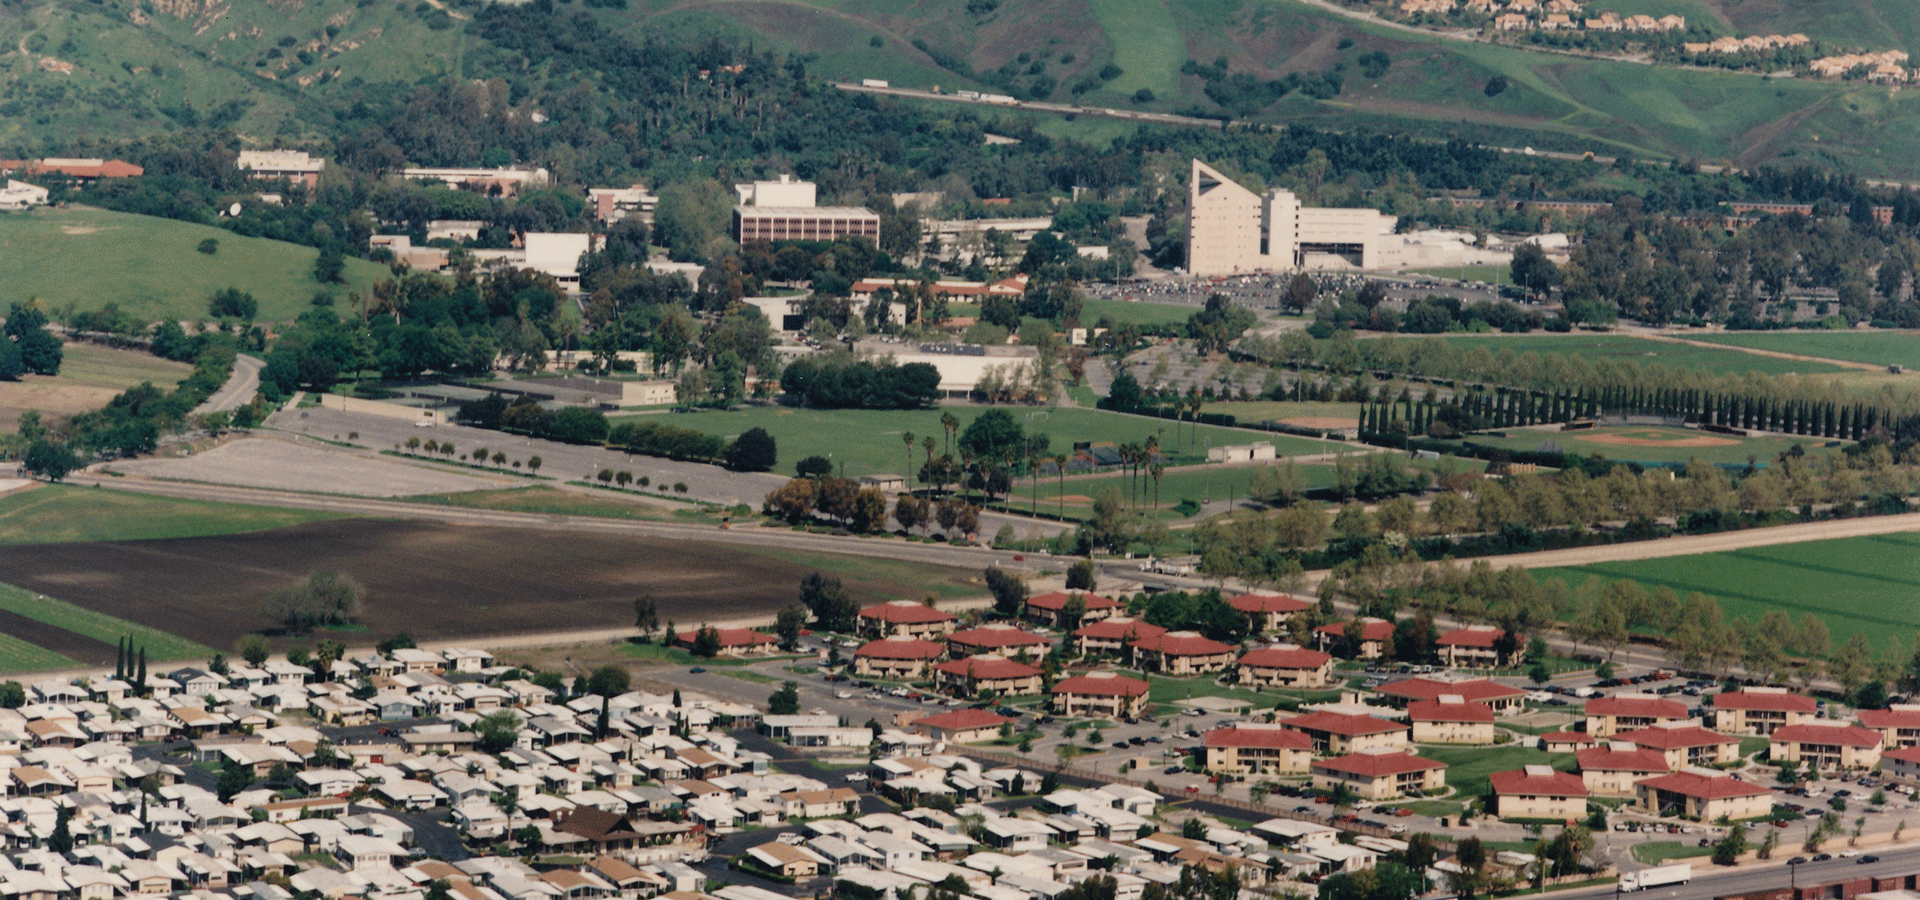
(239,389)
(1710,881)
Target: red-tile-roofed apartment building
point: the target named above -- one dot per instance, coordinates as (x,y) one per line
(1704,797)
(896,658)
(998,637)
(1112,635)
(1829,746)
(1538,792)
(1450,720)
(1285,667)
(986,672)
(1258,750)
(1491,694)
(1050,609)
(1613,770)
(1181,653)
(1340,733)
(1899,726)
(1761,710)
(905,618)
(1104,694)
(1381,775)
(1477,648)
(1267,612)
(733,641)
(1684,744)
(1608,716)
(1375,636)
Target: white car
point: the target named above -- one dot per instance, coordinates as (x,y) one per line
(1847,854)
(856,777)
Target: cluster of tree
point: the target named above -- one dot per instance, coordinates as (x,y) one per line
(857,509)
(572,425)
(1244,94)
(326,598)
(831,604)
(1218,324)
(132,422)
(26,346)
(1362,309)
(843,381)
(1206,612)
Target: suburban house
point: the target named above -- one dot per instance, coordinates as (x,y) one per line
(1285,666)
(905,618)
(1475,648)
(1266,612)
(1105,694)
(1050,609)
(1376,635)
(975,675)
(1614,769)
(733,641)
(1450,720)
(1899,725)
(1491,694)
(1608,716)
(999,637)
(898,659)
(1112,635)
(1826,746)
(1181,653)
(1342,733)
(1703,794)
(1761,710)
(787,860)
(1381,775)
(1258,750)
(1685,744)
(1538,792)
(962,726)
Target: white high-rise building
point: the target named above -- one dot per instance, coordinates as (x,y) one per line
(1232,230)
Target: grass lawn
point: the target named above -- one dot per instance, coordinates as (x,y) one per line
(160,645)
(1851,583)
(1626,348)
(1135,312)
(661,654)
(1751,745)
(1174,690)
(554,501)
(1657,852)
(150,267)
(1280,410)
(17,655)
(1147,45)
(1880,348)
(1468,768)
(99,366)
(868,442)
(1656,445)
(58,513)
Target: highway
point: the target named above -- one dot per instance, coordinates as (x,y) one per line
(1711,881)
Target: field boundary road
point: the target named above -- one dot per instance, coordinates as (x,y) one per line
(241,385)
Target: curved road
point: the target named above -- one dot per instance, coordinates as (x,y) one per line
(239,389)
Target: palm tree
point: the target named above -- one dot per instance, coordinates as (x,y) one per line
(1060,465)
(1156,470)
(950,424)
(928,445)
(907,439)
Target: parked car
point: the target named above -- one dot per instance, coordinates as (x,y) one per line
(1869,858)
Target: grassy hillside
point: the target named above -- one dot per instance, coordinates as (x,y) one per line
(151,267)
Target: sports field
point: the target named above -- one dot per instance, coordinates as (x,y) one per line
(869,442)
(91,257)
(1858,585)
(1303,414)
(1644,351)
(1655,445)
(1880,348)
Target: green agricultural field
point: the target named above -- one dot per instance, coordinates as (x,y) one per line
(160,645)
(1656,445)
(1880,348)
(86,258)
(868,442)
(17,655)
(59,513)
(554,501)
(1644,351)
(1851,583)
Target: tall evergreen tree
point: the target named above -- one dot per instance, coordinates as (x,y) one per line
(140,680)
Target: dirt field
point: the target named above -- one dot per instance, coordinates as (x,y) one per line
(1657,439)
(279,465)
(430,580)
(55,398)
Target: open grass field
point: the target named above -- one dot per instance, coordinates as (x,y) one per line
(868,442)
(1880,348)
(1643,351)
(86,258)
(554,501)
(1654,853)
(1857,585)
(1656,445)
(1307,414)
(90,375)
(1138,313)
(434,581)
(61,513)
(18,656)
(100,628)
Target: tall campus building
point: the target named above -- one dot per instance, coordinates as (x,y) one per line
(1232,230)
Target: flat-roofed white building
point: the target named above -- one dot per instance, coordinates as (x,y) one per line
(1232,230)
(786,210)
(286,165)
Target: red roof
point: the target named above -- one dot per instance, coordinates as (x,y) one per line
(997,636)
(732,637)
(1285,658)
(1568,737)
(1102,684)
(1372,631)
(1636,707)
(1479,690)
(1270,738)
(1766,701)
(1375,765)
(1703,787)
(1842,735)
(1471,637)
(963,720)
(905,612)
(1675,738)
(1117,629)
(1347,724)
(1607,759)
(1903,754)
(1557,784)
(987,667)
(1182,643)
(1889,718)
(901,648)
(1057,601)
(1267,603)
(1435,711)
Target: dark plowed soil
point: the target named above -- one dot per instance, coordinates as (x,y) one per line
(77,647)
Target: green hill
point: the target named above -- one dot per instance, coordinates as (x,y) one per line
(87,258)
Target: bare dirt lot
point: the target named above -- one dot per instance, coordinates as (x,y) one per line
(280,465)
(1659,439)
(430,580)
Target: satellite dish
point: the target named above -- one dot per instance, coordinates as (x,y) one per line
(234,210)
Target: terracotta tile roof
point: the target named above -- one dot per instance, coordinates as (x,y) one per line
(901,648)
(998,636)
(1478,690)
(1346,724)
(963,720)
(1903,754)
(1275,738)
(1607,759)
(1375,765)
(987,667)
(1119,629)
(1766,701)
(1568,737)
(1266,603)
(1057,600)
(1371,631)
(1436,711)
(1471,637)
(1703,787)
(1101,684)
(1675,738)
(1843,735)
(1285,658)
(1182,643)
(1889,718)
(905,612)
(1636,707)
(1520,781)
